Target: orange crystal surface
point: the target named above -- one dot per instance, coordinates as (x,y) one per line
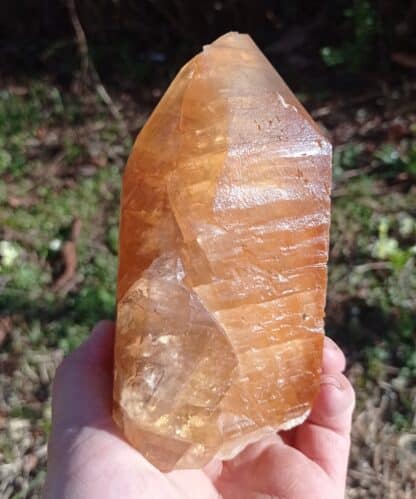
(223,251)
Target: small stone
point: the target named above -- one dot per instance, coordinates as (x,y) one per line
(407,444)
(223,251)
(17,428)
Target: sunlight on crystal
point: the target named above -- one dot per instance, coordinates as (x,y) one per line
(223,251)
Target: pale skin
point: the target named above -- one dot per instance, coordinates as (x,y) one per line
(89,459)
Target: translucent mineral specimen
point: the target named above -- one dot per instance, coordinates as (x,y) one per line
(223,251)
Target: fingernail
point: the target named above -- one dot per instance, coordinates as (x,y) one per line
(330,344)
(328,379)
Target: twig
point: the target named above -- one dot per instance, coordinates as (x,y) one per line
(87,65)
(357,172)
(404,59)
(80,37)
(365,267)
(69,256)
(320,112)
(342,191)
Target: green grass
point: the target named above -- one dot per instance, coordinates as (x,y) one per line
(373,264)
(49,177)
(34,231)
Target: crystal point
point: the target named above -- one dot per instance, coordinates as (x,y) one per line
(223,252)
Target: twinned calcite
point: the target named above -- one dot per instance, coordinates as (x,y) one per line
(223,251)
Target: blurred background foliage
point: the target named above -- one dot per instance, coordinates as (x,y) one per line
(63,144)
(131,36)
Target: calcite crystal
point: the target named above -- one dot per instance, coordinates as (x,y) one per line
(223,251)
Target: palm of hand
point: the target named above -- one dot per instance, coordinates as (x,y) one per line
(89,459)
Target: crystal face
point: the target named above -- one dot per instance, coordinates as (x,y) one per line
(223,252)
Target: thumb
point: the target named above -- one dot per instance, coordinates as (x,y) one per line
(325,436)
(82,389)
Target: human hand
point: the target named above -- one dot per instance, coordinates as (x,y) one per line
(89,459)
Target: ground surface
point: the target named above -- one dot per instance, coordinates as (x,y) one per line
(61,156)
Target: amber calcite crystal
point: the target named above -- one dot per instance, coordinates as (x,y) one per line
(223,252)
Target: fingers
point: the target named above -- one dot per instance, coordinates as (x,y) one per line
(333,358)
(325,436)
(311,458)
(333,361)
(334,405)
(82,389)
(271,468)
